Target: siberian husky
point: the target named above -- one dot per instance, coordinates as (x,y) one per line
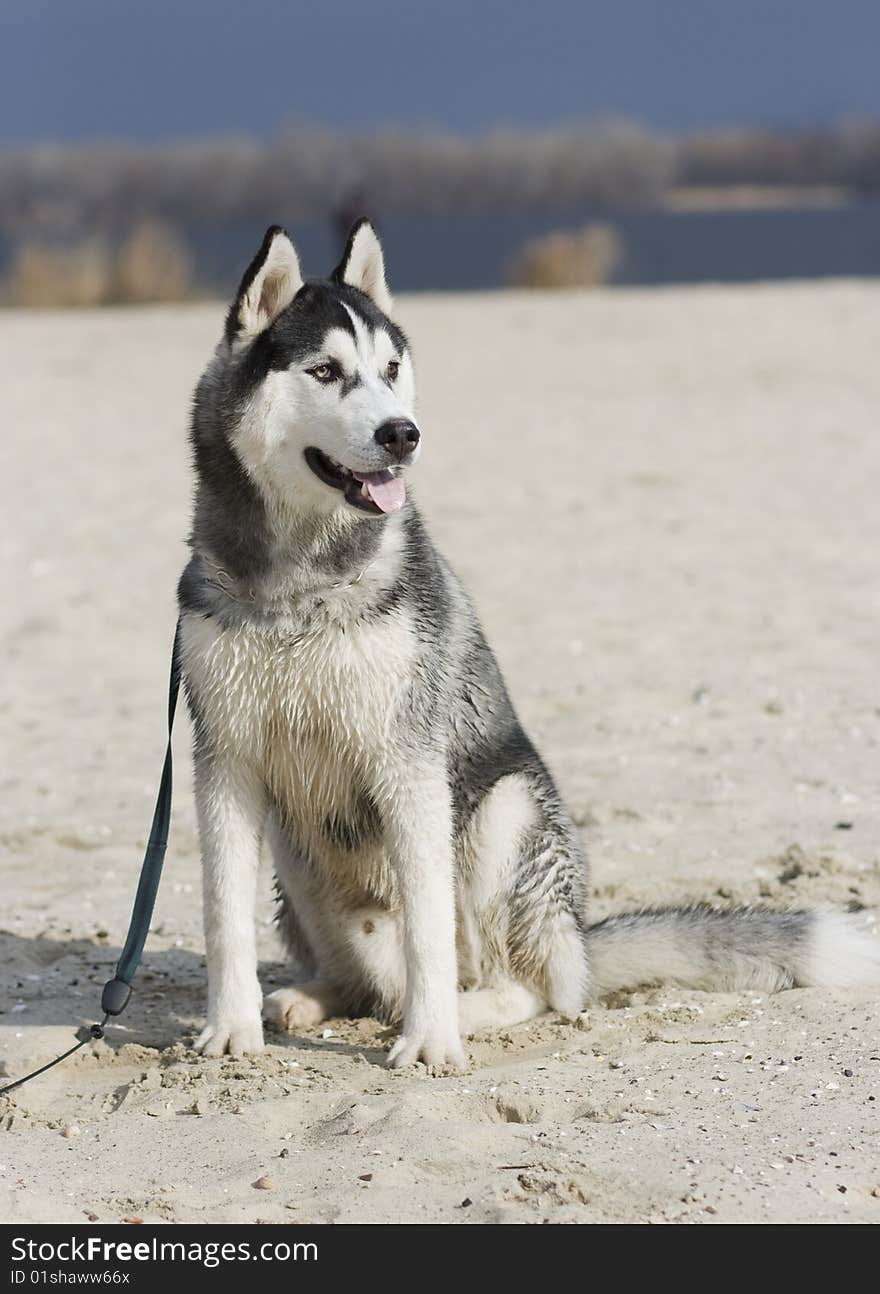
(348,711)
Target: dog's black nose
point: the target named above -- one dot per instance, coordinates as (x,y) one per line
(399,436)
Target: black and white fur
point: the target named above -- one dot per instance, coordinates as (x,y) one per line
(349,712)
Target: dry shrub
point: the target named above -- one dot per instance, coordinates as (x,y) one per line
(47,276)
(584,258)
(151,264)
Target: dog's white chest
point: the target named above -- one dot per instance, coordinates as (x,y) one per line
(312,709)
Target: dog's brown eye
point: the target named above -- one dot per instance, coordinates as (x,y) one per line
(392,370)
(323,372)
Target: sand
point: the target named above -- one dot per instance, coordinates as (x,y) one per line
(665,506)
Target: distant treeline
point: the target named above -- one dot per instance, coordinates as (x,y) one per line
(53,192)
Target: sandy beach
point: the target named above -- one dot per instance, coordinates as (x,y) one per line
(665,504)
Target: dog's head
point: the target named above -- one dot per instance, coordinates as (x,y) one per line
(325,381)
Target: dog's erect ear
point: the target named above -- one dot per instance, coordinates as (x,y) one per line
(270,283)
(363,265)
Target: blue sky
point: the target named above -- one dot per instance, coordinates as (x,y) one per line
(82,69)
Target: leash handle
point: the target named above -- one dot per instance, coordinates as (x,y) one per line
(96,1031)
(117,991)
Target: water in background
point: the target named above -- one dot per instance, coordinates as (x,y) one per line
(474,250)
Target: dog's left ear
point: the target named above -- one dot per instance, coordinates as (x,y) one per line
(270,283)
(363,265)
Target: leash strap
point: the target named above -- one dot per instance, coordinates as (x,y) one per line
(117,991)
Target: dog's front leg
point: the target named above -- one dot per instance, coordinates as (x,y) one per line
(419,819)
(231,805)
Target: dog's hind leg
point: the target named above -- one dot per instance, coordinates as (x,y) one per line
(520,942)
(350,957)
(363,970)
(302,1006)
(309,930)
(495,1008)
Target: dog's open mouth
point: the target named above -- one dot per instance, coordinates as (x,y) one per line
(375,492)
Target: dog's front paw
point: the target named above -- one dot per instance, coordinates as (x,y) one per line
(438,1048)
(242,1036)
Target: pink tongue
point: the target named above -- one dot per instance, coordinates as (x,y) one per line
(387,491)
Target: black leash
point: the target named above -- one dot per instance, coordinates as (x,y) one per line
(117,991)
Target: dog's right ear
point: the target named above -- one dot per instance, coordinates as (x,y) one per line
(270,283)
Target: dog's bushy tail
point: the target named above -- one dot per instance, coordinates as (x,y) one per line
(726,951)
